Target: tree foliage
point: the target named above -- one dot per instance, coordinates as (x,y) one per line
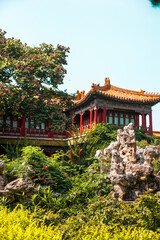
(29,79)
(155,2)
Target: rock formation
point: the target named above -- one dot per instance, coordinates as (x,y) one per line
(2,178)
(19,185)
(131,171)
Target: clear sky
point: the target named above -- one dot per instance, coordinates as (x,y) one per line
(115,38)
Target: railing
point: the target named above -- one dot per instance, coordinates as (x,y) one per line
(57,134)
(10,131)
(30,132)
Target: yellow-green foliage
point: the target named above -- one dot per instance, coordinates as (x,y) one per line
(142,143)
(19,224)
(102,232)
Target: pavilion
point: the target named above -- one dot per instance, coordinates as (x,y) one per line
(114,105)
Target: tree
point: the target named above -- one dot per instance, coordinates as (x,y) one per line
(29,79)
(155,2)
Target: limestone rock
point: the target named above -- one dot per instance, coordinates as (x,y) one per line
(2,178)
(131,171)
(139,154)
(149,153)
(2,181)
(7,194)
(1,167)
(111,147)
(19,185)
(99,154)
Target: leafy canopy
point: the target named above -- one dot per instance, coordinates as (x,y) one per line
(29,79)
(155,2)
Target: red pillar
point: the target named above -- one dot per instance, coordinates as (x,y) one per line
(50,133)
(150,124)
(91,118)
(67,131)
(81,122)
(72,125)
(100,116)
(143,121)
(137,120)
(95,114)
(23,127)
(50,153)
(104,114)
(47,128)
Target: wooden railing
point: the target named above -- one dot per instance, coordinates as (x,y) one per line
(10,131)
(30,132)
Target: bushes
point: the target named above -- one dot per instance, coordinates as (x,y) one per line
(36,167)
(102,232)
(85,187)
(19,224)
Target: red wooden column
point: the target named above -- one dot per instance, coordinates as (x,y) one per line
(143,121)
(50,133)
(95,114)
(91,118)
(137,120)
(150,124)
(47,128)
(81,122)
(67,131)
(23,127)
(104,114)
(50,153)
(72,125)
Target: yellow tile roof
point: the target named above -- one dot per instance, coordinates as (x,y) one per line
(118,93)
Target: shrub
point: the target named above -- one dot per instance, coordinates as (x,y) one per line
(20,224)
(35,166)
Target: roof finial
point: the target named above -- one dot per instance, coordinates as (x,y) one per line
(80,95)
(107,82)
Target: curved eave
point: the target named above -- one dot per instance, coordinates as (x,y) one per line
(91,94)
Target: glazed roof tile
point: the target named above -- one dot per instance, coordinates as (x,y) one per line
(122,94)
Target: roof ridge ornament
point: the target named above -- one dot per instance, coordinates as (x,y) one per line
(142,91)
(80,95)
(107,82)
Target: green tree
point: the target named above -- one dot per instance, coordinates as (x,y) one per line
(29,79)
(155,2)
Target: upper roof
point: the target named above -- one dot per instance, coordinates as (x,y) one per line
(121,94)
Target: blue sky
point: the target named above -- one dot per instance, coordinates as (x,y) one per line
(115,38)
